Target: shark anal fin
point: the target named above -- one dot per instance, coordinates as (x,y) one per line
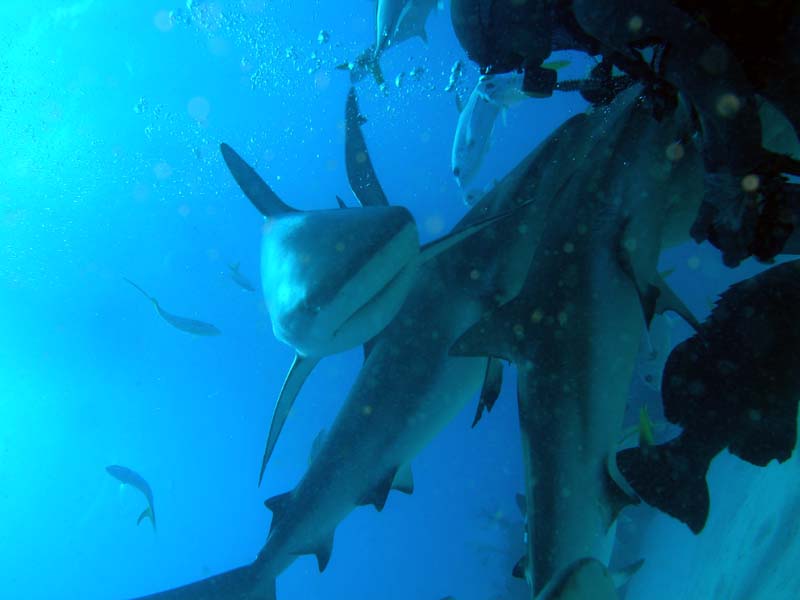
(147,513)
(277,505)
(669,479)
(298,373)
(492,382)
(256,189)
(404,480)
(322,550)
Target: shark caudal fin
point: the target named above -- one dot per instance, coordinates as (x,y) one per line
(584,579)
(243,583)
(670,477)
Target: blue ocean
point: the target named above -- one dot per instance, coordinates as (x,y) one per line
(113,113)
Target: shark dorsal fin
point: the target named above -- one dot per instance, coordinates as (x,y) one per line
(256,189)
(298,373)
(492,382)
(340,202)
(277,506)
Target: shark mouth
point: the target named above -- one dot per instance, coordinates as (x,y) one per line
(391,286)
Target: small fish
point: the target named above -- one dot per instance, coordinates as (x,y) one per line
(240,279)
(192,326)
(132,478)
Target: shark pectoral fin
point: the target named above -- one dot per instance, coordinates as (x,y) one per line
(147,513)
(316,445)
(257,191)
(520,567)
(622,576)
(522,504)
(492,382)
(404,480)
(668,300)
(619,492)
(298,373)
(444,243)
(322,550)
(277,505)
(671,479)
(584,578)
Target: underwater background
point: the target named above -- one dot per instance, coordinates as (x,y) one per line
(112,113)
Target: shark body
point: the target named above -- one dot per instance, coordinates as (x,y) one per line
(574,339)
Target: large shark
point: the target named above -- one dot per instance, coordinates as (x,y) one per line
(399,20)
(410,387)
(573,331)
(333,279)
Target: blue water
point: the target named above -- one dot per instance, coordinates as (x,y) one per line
(111,116)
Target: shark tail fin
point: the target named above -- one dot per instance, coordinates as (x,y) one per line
(671,478)
(256,189)
(147,513)
(584,578)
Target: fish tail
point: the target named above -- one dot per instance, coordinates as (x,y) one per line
(147,513)
(145,294)
(672,478)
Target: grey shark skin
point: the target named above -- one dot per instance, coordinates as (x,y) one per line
(185,324)
(409,386)
(574,340)
(399,20)
(132,478)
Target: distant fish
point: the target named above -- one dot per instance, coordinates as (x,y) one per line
(242,281)
(734,385)
(188,325)
(132,478)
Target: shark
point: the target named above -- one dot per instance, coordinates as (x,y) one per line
(410,386)
(192,326)
(130,477)
(573,331)
(399,20)
(333,279)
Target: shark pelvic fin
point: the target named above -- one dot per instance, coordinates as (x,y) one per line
(522,504)
(322,550)
(277,505)
(377,496)
(492,382)
(298,373)
(257,191)
(520,567)
(404,480)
